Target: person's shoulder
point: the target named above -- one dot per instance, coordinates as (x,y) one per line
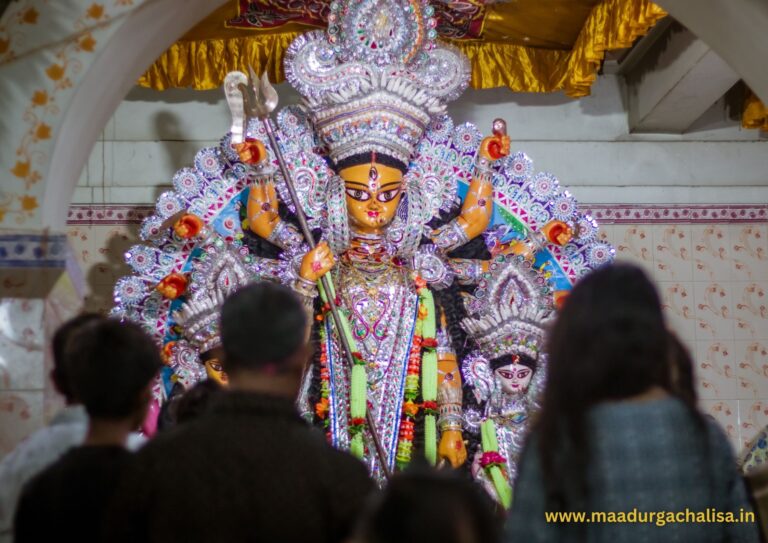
(163,446)
(44,446)
(344,462)
(718,440)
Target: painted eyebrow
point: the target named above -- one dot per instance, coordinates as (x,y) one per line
(356,183)
(390,184)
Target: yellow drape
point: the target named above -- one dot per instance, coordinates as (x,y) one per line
(755,114)
(612,24)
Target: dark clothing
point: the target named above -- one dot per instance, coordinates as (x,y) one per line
(249,469)
(68,500)
(645,456)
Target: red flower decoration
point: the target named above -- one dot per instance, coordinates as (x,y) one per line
(173,285)
(168,351)
(490,459)
(188,226)
(429,343)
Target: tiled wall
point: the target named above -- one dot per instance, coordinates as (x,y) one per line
(711,265)
(713,280)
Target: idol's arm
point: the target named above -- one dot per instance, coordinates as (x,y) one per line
(468,271)
(477,209)
(451,447)
(263,217)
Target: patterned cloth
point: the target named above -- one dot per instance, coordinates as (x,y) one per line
(757,457)
(644,457)
(66,430)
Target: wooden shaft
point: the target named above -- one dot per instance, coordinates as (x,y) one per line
(327,287)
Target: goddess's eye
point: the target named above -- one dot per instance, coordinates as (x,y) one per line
(387,195)
(359,195)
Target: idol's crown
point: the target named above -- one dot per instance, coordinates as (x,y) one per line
(376,77)
(219,272)
(510,312)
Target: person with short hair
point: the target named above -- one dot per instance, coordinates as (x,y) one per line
(249,468)
(66,430)
(111,368)
(614,434)
(429,506)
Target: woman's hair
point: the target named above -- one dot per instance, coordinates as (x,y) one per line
(430,506)
(681,371)
(609,342)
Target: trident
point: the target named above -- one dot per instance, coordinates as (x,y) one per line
(247,100)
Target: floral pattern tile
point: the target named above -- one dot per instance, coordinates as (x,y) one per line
(21,413)
(22,343)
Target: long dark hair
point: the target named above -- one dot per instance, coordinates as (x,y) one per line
(609,343)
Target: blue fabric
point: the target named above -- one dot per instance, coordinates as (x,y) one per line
(645,456)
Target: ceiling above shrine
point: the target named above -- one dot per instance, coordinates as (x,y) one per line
(526,45)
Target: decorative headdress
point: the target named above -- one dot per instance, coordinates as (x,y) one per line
(219,271)
(375,79)
(509,313)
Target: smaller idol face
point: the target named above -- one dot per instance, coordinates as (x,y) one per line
(215,371)
(514,378)
(373,194)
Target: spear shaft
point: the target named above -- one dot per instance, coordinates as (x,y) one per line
(327,285)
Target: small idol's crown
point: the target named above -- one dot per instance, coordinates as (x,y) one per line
(199,320)
(510,312)
(376,77)
(220,271)
(508,331)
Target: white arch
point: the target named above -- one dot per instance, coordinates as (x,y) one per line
(141,38)
(734,29)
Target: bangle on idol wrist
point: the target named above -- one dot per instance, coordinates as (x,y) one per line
(450,422)
(483,169)
(450,236)
(285,236)
(305,287)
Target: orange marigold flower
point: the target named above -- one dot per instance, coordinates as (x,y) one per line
(322,407)
(410,408)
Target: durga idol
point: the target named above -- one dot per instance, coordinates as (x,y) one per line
(373,84)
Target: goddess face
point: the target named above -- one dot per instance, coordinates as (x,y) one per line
(514,378)
(373,194)
(213,367)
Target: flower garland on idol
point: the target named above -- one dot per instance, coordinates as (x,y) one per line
(420,379)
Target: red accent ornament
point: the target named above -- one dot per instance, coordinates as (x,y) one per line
(494,150)
(168,351)
(173,285)
(429,343)
(492,458)
(188,226)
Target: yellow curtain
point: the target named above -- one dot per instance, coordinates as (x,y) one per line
(612,24)
(755,114)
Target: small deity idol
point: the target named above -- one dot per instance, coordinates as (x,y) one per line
(506,375)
